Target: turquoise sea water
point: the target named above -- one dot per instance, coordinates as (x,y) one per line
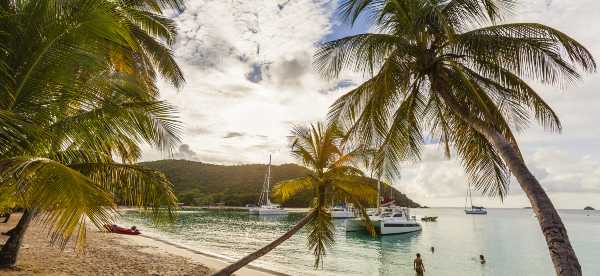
(509,238)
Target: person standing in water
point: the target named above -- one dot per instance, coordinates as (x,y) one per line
(418,265)
(481,259)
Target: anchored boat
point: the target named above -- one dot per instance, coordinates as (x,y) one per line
(388,219)
(474,210)
(342,212)
(265,207)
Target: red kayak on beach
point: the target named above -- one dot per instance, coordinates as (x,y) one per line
(122,230)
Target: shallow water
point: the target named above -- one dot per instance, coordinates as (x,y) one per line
(509,238)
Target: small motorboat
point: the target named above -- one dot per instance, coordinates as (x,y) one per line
(122,230)
(429,219)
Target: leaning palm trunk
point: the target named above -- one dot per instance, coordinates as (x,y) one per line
(266,249)
(10,250)
(563,256)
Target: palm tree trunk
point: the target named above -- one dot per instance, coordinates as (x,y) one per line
(266,249)
(561,252)
(10,250)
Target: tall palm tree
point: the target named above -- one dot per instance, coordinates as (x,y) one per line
(451,68)
(69,108)
(333,177)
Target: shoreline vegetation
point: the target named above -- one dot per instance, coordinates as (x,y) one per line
(203,184)
(120,255)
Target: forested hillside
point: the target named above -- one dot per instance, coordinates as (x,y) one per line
(198,183)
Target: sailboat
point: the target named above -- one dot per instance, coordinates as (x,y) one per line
(474,210)
(265,206)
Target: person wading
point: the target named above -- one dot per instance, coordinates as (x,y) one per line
(418,265)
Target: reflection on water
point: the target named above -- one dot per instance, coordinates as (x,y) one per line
(509,238)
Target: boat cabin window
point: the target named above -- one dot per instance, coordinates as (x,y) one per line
(398,215)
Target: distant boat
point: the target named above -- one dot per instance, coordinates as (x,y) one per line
(429,219)
(476,210)
(589,208)
(391,220)
(264,206)
(473,210)
(388,219)
(342,212)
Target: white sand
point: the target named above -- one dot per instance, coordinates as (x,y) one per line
(153,245)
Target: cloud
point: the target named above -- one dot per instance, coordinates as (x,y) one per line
(248,70)
(185,152)
(233,135)
(562,171)
(198,130)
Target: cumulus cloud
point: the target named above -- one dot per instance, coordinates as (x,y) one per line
(248,70)
(185,152)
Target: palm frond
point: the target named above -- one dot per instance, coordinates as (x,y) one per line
(64,198)
(286,189)
(321,232)
(134,185)
(350,10)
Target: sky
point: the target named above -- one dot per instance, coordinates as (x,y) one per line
(249,79)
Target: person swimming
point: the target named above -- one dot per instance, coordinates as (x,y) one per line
(418,265)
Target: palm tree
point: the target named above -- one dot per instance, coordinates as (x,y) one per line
(333,177)
(451,68)
(69,108)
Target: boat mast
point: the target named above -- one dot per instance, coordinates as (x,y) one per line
(268,182)
(264,193)
(466,195)
(470,197)
(378,193)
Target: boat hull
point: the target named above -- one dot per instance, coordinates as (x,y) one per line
(476,212)
(390,228)
(267,212)
(342,214)
(384,227)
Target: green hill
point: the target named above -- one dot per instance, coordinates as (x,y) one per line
(197,183)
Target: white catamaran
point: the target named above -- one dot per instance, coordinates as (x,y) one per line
(474,210)
(265,207)
(388,219)
(342,212)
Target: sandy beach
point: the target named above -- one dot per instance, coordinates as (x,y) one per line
(111,254)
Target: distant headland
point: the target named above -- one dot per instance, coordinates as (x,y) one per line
(201,184)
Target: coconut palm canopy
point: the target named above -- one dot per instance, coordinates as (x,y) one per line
(335,177)
(428,56)
(450,69)
(78,93)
